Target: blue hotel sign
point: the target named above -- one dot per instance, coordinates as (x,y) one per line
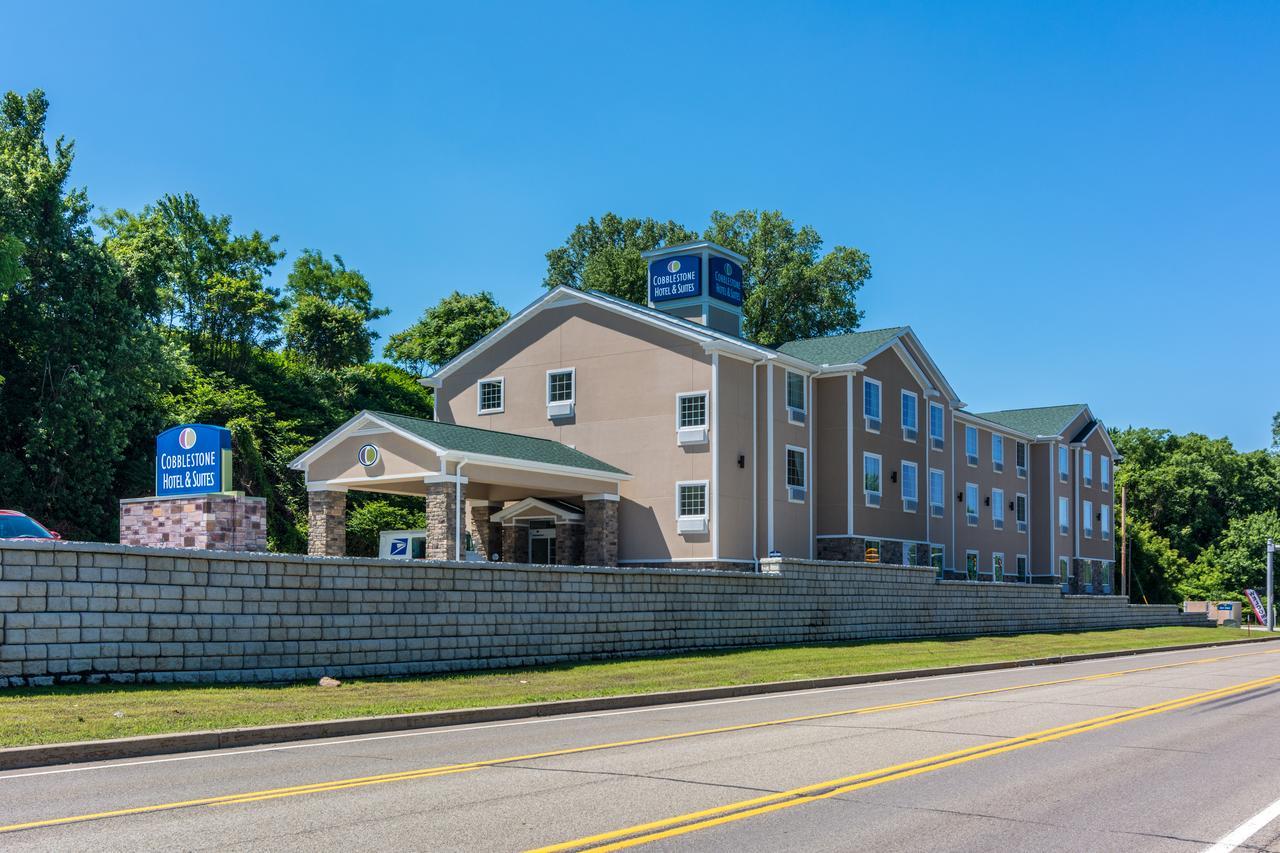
(193,459)
(675,278)
(726,280)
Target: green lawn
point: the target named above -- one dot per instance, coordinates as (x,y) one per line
(84,712)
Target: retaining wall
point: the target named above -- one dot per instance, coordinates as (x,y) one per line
(75,611)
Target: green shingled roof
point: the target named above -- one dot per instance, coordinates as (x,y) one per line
(840,349)
(1044,420)
(493,443)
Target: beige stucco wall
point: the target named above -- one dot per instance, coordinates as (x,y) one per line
(889,520)
(397,457)
(984,538)
(791,533)
(734,437)
(831,452)
(1098,548)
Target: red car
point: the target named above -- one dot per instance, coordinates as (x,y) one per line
(15,525)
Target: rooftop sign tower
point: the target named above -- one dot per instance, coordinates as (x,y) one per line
(698,281)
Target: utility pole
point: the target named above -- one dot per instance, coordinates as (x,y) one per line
(1271,588)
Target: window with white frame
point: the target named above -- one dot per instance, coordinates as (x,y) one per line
(1088,468)
(997,567)
(560,386)
(1021,566)
(691,410)
(971,444)
(971,503)
(910,415)
(910,486)
(489,396)
(937,492)
(1064,464)
(871,403)
(1104,471)
(796,474)
(1087,512)
(997,452)
(1020,511)
(691,500)
(937,558)
(937,426)
(1105,525)
(795,397)
(1064,513)
(1020,458)
(997,509)
(971,565)
(871,481)
(1064,569)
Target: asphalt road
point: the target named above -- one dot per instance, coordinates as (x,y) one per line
(1176,752)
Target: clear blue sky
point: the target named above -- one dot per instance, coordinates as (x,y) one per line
(1068,203)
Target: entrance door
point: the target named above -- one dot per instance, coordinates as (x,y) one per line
(542,545)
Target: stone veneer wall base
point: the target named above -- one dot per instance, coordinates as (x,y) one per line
(89,612)
(210,522)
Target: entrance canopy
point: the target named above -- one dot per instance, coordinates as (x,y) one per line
(382,452)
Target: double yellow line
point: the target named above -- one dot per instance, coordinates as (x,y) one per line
(449,769)
(645,833)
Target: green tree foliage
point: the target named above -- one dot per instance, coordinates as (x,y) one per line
(792,288)
(205,281)
(445,330)
(1199,513)
(368,517)
(84,369)
(330,309)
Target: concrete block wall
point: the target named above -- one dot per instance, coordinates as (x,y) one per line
(75,611)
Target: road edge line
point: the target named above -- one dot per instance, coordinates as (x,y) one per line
(76,752)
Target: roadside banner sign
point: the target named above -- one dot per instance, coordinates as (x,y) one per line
(1259,612)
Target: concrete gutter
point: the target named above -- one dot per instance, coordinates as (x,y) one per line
(12,758)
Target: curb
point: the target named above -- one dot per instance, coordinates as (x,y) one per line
(17,757)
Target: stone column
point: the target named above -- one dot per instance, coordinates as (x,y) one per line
(569,545)
(442,520)
(485,535)
(600,546)
(515,543)
(327,523)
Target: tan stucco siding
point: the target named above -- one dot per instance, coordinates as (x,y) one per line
(397,457)
(1097,548)
(627,376)
(890,520)
(733,435)
(831,453)
(1043,509)
(791,533)
(984,537)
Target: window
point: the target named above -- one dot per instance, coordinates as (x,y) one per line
(1088,468)
(871,404)
(997,452)
(1021,565)
(1087,512)
(997,509)
(1105,524)
(1064,569)
(937,425)
(1020,458)
(971,565)
(489,396)
(691,410)
(937,492)
(971,503)
(1063,464)
(795,397)
(910,415)
(796,474)
(560,386)
(910,486)
(971,444)
(1020,512)
(871,478)
(1104,471)
(997,567)
(1064,523)
(937,558)
(691,500)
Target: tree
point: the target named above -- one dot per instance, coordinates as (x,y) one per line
(445,330)
(1236,561)
(1275,431)
(792,289)
(605,255)
(205,281)
(84,369)
(330,308)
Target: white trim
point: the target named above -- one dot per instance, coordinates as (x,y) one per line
(601,496)
(977,446)
(849,450)
(912,366)
(977,504)
(866,493)
(553,512)
(1075,504)
(941,408)
(811,415)
(866,419)
(755,469)
(902,400)
(502,394)
(995,503)
(768,423)
(706,408)
(685,523)
(786,397)
(713,415)
(943,505)
(321,486)
(914,339)
(804,472)
(902,481)
(441,478)
(562,408)
(459,499)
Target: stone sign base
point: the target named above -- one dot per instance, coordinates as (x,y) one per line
(225,521)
